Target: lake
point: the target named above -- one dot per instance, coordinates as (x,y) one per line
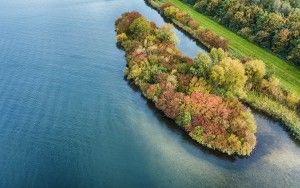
(70,119)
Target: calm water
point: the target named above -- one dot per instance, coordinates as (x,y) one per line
(69,119)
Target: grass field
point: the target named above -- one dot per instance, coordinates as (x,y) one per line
(288,74)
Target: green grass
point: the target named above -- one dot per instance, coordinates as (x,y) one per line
(288,74)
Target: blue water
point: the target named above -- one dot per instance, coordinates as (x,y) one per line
(68,118)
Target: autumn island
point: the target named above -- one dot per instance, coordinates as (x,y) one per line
(205,96)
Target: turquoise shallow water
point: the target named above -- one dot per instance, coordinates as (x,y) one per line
(69,119)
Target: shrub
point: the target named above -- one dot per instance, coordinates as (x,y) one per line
(272,87)
(255,71)
(183,17)
(171,11)
(212,39)
(193,24)
(291,100)
(165,5)
(121,37)
(205,36)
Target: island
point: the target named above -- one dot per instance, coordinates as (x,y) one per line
(205,96)
(181,87)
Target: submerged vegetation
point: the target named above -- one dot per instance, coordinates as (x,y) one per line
(203,95)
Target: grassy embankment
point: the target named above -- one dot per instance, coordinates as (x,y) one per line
(288,74)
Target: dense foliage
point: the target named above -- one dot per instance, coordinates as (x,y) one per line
(189,90)
(273,24)
(262,90)
(186,22)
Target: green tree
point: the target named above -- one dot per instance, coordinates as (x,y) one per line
(229,74)
(171,11)
(217,54)
(294,55)
(140,28)
(201,66)
(281,40)
(166,34)
(255,71)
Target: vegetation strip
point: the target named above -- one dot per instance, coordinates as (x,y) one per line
(288,74)
(189,25)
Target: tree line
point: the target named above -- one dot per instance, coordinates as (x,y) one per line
(186,22)
(272,24)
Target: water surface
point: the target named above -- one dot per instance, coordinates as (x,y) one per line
(69,119)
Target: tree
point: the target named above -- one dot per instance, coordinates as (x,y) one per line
(294,55)
(184,119)
(255,71)
(171,11)
(166,34)
(123,23)
(170,101)
(229,74)
(281,40)
(217,55)
(201,65)
(273,24)
(140,28)
(246,32)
